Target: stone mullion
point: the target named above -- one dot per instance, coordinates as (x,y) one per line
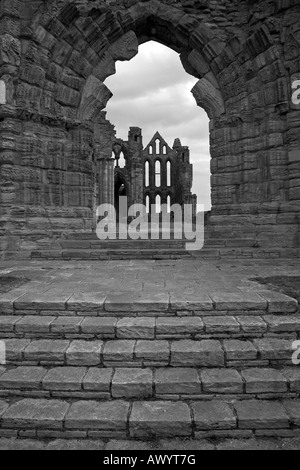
(111,181)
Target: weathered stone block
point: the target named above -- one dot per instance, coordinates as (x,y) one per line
(130,383)
(177,381)
(98,379)
(64,378)
(136,328)
(261,414)
(35,414)
(213,415)
(264,381)
(206,353)
(85,353)
(23,378)
(221,381)
(159,418)
(106,416)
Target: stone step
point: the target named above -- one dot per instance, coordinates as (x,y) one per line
(110,254)
(145,327)
(170,383)
(121,244)
(261,352)
(189,445)
(206,253)
(55,418)
(104,301)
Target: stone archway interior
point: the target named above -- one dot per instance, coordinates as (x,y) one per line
(55,57)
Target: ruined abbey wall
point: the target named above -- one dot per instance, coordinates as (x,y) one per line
(54,58)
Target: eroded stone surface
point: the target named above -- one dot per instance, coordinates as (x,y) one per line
(160,419)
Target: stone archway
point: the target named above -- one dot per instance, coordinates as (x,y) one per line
(55,59)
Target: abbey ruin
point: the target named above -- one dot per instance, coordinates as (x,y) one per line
(56,144)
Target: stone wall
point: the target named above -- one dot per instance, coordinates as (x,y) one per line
(54,59)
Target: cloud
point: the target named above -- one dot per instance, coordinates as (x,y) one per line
(153,92)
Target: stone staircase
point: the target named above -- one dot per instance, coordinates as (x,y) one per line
(86,367)
(86,246)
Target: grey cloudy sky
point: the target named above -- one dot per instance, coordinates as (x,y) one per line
(152,91)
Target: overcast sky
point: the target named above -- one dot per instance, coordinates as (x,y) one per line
(152,91)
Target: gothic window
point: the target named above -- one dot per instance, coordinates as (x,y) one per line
(169,178)
(147,204)
(157,173)
(150,150)
(122,161)
(147,174)
(158,204)
(164,150)
(157,146)
(169,204)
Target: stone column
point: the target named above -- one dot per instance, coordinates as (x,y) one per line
(106,180)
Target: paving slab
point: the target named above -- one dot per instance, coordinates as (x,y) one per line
(221,324)
(136,328)
(190,301)
(99,326)
(177,381)
(3,407)
(128,383)
(282,323)
(157,350)
(34,324)
(237,350)
(232,301)
(42,301)
(292,374)
(111,416)
(252,324)
(23,377)
(273,348)
(85,353)
(87,301)
(279,303)
(260,380)
(132,301)
(66,324)
(221,381)
(292,408)
(119,350)
(159,418)
(8,323)
(46,350)
(169,326)
(213,415)
(261,414)
(64,378)
(33,414)
(15,348)
(98,379)
(197,353)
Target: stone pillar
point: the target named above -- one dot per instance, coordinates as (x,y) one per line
(106,180)
(111,181)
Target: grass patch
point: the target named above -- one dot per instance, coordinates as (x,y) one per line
(8,283)
(289,285)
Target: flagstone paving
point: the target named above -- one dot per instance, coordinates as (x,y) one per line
(147,285)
